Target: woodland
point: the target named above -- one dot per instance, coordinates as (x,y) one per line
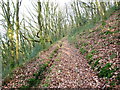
(74,47)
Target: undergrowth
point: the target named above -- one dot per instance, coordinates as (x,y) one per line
(78,38)
(40,75)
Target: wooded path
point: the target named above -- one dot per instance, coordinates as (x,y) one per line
(72,71)
(68,69)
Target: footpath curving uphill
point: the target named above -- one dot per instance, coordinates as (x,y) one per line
(72,70)
(94,63)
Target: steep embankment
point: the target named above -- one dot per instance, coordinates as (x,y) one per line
(31,73)
(94,63)
(101,48)
(65,68)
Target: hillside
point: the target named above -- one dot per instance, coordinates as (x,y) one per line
(87,59)
(101,48)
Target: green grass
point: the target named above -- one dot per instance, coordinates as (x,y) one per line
(89,56)
(54,52)
(114,55)
(84,43)
(37,76)
(83,51)
(57,60)
(94,52)
(45,85)
(107,71)
(95,64)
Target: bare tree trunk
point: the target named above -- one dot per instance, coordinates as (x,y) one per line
(17,31)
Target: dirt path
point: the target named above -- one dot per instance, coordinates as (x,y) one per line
(72,70)
(24,73)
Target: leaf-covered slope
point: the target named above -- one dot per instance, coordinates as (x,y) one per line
(101,47)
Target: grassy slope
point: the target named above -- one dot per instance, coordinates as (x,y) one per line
(100,46)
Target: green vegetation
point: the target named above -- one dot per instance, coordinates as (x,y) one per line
(83,51)
(54,52)
(47,24)
(89,56)
(83,34)
(113,56)
(37,76)
(95,64)
(45,85)
(30,39)
(106,71)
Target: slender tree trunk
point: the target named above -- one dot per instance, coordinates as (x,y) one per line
(39,19)
(17,31)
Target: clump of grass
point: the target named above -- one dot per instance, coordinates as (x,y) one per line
(31,82)
(45,85)
(77,45)
(89,56)
(57,60)
(53,53)
(113,56)
(83,51)
(103,37)
(106,71)
(37,76)
(95,64)
(103,23)
(84,44)
(93,52)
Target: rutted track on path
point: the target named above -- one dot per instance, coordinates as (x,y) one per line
(70,70)
(22,74)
